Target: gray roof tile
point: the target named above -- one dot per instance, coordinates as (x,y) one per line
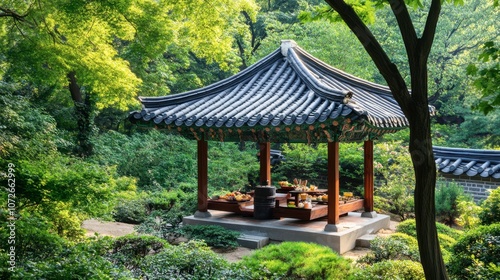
(470,162)
(278,90)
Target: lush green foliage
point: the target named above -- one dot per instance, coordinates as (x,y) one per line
(199,43)
(490,212)
(487,79)
(61,188)
(147,157)
(398,246)
(311,162)
(191,260)
(448,196)
(87,188)
(35,239)
(26,131)
(65,260)
(230,168)
(469,214)
(166,212)
(447,236)
(398,182)
(297,260)
(476,254)
(409,227)
(118,37)
(132,211)
(128,251)
(392,270)
(215,236)
(302,161)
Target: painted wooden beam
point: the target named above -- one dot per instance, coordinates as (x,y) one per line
(202,179)
(333,186)
(368,178)
(265,163)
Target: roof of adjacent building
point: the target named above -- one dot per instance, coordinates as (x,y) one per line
(285,89)
(468,162)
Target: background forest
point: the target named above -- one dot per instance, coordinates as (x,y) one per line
(71,71)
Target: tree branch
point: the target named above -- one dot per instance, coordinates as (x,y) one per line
(388,69)
(5,12)
(406,27)
(430,29)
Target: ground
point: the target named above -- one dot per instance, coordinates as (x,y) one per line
(116,229)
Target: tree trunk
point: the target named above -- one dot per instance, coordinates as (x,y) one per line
(425,210)
(416,109)
(425,176)
(84,117)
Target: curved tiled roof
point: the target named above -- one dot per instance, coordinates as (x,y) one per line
(469,162)
(287,87)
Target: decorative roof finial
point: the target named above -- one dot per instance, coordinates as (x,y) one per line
(287,44)
(348,97)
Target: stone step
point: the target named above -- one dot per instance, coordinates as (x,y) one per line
(364,241)
(253,241)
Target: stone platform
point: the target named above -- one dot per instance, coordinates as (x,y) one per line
(351,227)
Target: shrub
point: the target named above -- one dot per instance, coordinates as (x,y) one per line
(448,195)
(446,242)
(399,182)
(490,212)
(76,265)
(392,270)
(137,245)
(130,211)
(409,227)
(165,221)
(190,260)
(476,254)
(34,239)
(83,261)
(398,246)
(469,214)
(381,204)
(213,235)
(128,251)
(447,236)
(297,260)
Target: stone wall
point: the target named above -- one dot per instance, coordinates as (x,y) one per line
(476,186)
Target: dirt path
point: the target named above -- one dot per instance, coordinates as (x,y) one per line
(114,229)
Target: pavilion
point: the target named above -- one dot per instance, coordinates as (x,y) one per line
(287,96)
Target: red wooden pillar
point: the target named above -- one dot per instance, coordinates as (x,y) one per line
(333,186)
(368,179)
(265,163)
(202,211)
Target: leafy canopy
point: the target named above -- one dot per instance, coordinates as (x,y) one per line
(103,41)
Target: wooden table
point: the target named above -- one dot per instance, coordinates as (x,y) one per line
(319,210)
